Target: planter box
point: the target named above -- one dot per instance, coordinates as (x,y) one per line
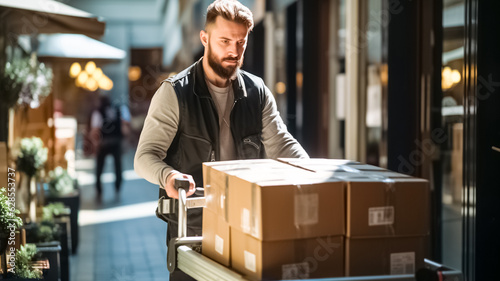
(65,240)
(73,202)
(52,251)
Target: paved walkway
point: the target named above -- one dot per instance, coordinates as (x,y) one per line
(120,239)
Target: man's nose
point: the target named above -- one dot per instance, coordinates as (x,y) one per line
(233,50)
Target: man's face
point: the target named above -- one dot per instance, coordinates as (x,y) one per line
(225,43)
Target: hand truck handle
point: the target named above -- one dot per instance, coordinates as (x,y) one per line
(182,185)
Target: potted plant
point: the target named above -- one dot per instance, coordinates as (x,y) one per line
(30,155)
(24,264)
(9,222)
(49,237)
(62,188)
(60,183)
(26,81)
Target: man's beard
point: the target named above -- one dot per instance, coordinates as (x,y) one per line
(216,65)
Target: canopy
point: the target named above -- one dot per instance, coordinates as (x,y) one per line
(48,16)
(74,47)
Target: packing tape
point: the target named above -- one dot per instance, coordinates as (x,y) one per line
(384,215)
(306,209)
(249,217)
(224,198)
(254,225)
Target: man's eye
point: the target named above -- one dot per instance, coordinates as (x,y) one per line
(225,41)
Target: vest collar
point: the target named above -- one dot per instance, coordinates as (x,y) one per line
(201,88)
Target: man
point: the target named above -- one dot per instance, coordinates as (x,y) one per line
(109,124)
(211,111)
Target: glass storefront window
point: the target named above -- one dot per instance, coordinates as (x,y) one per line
(452,112)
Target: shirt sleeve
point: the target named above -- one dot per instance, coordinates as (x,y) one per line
(125,113)
(96,120)
(278,142)
(160,127)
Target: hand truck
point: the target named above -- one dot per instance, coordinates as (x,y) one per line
(185,252)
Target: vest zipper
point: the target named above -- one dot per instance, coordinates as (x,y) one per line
(212,156)
(249,141)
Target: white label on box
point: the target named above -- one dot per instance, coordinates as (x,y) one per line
(245,220)
(295,271)
(306,209)
(380,215)
(403,263)
(250,262)
(219,244)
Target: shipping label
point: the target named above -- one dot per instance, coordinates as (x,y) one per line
(250,262)
(295,271)
(306,209)
(381,215)
(245,220)
(219,244)
(403,263)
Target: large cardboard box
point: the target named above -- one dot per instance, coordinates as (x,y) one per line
(391,207)
(385,255)
(216,174)
(294,208)
(318,257)
(216,237)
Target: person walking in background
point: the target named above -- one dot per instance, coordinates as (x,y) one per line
(109,125)
(210,111)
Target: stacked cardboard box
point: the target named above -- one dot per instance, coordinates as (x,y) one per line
(313,218)
(277,221)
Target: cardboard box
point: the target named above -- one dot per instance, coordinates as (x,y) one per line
(392,207)
(215,178)
(216,238)
(287,259)
(286,209)
(385,255)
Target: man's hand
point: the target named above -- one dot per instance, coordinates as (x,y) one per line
(172,192)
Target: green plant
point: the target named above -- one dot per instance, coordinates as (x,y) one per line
(30,155)
(51,210)
(37,85)
(46,230)
(24,268)
(60,182)
(25,81)
(12,81)
(8,214)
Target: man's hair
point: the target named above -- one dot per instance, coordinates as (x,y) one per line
(231,10)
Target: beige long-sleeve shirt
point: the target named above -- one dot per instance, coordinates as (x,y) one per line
(161,124)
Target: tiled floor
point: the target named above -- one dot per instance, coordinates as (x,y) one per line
(119,240)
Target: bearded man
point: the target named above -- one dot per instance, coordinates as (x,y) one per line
(211,111)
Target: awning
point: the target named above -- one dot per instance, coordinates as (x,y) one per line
(48,16)
(73,47)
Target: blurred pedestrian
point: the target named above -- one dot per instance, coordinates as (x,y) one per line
(109,125)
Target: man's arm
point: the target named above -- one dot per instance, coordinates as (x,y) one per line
(160,127)
(278,142)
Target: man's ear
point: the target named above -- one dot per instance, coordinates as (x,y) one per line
(204,38)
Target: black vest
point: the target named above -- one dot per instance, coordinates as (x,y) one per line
(197,137)
(111,126)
